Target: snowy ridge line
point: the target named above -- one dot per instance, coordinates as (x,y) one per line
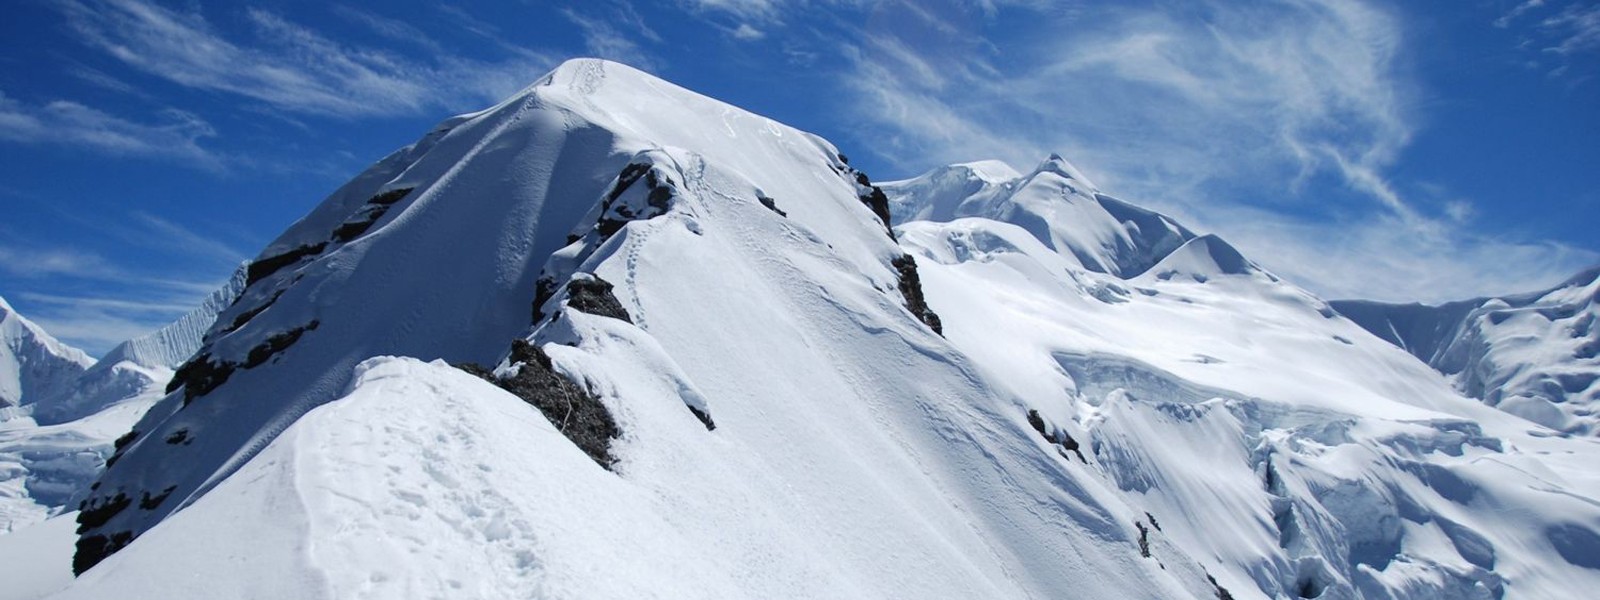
(1108,403)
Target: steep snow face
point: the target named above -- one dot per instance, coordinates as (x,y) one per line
(1291,452)
(854,452)
(170,346)
(33,365)
(1533,355)
(1055,203)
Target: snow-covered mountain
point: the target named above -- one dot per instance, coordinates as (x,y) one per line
(610,338)
(33,365)
(1535,355)
(1054,202)
(54,447)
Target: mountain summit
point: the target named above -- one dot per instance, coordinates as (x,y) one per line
(33,365)
(610,338)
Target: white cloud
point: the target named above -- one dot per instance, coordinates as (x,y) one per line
(175,136)
(1516,12)
(291,67)
(612,36)
(1224,114)
(1576,29)
(747,33)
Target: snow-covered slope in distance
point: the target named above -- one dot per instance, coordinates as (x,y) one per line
(1535,355)
(173,344)
(33,365)
(1054,202)
(1297,454)
(54,447)
(855,453)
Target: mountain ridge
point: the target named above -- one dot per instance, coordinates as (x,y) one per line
(1058,391)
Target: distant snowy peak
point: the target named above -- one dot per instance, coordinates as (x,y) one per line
(1536,355)
(33,365)
(1202,258)
(1055,202)
(171,345)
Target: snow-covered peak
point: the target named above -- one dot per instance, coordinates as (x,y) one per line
(1055,203)
(451,248)
(1202,258)
(33,365)
(1060,166)
(938,194)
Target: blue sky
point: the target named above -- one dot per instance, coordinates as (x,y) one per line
(1402,151)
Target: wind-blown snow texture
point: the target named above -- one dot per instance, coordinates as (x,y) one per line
(1534,355)
(1121,408)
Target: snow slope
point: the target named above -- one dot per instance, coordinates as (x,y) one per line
(1118,407)
(1535,355)
(1293,451)
(33,365)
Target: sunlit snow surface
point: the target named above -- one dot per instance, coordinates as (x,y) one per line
(1534,355)
(1233,426)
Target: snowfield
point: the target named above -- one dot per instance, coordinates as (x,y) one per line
(1533,355)
(704,366)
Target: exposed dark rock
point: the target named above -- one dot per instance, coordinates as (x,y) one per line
(911,289)
(246,316)
(275,344)
(390,197)
(543,290)
(592,295)
(1153,522)
(120,445)
(99,511)
(1144,539)
(771,205)
(148,502)
(368,215)
(574,411)
(613,215)
(875,200)
(95,548)
(265,267)
(180,436)
(1222,592)
(199,376)
(1059,437)
(202,374)
(705,418)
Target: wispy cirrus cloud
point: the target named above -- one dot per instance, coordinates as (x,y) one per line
(94,301)
(175,135)
(291,67)
(1276,123)
(610,30)
(1556,35)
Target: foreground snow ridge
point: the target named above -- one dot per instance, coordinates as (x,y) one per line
(635,342)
